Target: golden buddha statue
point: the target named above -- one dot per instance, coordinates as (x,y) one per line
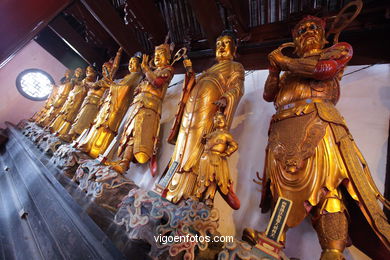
(80,92)
(142,128)
(311,153)
(114,108)
(213,165)
(58,100)
(38,116)
(221,86)
(94,99)
(71,106)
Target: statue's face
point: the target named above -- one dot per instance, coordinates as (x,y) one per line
(225,48)
(219,121)
(78,72)
(68,74)
(160,58)
(309,36)
(134,65)
(90,72)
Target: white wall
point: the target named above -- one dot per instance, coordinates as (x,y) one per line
(365,104)
(13,106)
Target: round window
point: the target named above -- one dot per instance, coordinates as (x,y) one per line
(34,84)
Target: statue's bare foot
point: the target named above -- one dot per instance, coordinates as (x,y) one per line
(250,236)
(209,203)
(119,167)
(111,163)
(67,138)
(82,148)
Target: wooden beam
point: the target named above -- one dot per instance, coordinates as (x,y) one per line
(150,17)
(207,14)
(107,17)
(105,40)
(240,9)
(53,44)
(73,39)
(22,20)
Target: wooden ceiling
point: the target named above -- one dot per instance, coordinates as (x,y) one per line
(85,32)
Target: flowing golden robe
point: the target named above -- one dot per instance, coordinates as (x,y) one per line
(143,124)
(89,108)
(223,80)
(110,115)
(69,110)
(61,97)
(213,165)
(311,152)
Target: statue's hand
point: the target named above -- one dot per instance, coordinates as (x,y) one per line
(145,61)
(276,59)
(221,103)
(108,81)
(224,154)
(187,63)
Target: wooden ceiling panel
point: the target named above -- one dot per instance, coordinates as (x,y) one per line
(94,32)
(209,18)
(150,18)
(72,38)
(108,18)
(96,28)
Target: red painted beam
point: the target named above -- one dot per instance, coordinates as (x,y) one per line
(21,20)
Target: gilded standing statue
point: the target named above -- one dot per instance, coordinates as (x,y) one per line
(221,86)
(72,104)
(140,136)
(49,102)
(114,108)
(75,107)
(214,174)
(311,157)
(94,99)
(58,101)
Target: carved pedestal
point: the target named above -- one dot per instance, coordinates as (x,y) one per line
(105,186)
(49,143)
(26,127)
(149,217)
(264,249)
(68,158)
(29,129)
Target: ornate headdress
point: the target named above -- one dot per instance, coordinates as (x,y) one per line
(81,70)
(108,63)
(231,34)
(167,48)
(90,68)
(137,55)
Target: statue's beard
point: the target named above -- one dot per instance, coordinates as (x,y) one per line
(306,46)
